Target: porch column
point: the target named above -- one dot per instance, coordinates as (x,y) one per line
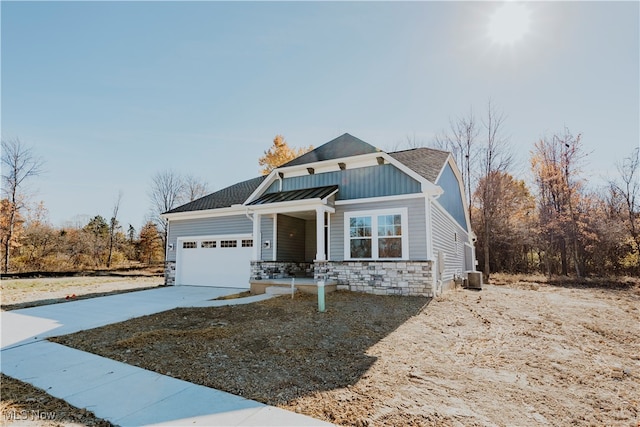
(257,240)
(320,255)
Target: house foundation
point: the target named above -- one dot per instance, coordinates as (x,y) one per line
(414,278)
(263,270)
(169,273)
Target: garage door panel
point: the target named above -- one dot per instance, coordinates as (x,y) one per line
(225,265)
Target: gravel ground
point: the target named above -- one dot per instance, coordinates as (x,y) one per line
(520,354)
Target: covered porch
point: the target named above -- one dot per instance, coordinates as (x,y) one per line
(298,240)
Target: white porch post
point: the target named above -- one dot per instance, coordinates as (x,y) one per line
(320,254)
(257,241)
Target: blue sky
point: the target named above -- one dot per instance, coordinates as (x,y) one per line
(109,93)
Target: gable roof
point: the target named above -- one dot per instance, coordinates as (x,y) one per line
(428,162)
(233,195)
(343,146)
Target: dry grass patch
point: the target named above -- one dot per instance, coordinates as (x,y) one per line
(33,292)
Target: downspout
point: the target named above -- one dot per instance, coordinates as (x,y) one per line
(257,244)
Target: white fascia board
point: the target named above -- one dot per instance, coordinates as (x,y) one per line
(352,162)
(270,179)
(208,213)
(454,167)
(427,186)
(456,171)
(291,206)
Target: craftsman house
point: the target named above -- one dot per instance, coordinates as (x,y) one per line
(346,213)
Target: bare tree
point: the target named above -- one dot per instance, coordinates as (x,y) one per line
(410,142)
(629,190)
(18,164)
(495,156)
(556,166)
(113,227)
(461,141)
(166,192)
(194,188)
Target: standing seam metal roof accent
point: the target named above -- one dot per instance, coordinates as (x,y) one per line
(293,195)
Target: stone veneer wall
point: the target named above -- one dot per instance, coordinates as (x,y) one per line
(280,269)
(379,277)
(169,273)
(373,277)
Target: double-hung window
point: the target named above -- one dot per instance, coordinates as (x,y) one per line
(380,234)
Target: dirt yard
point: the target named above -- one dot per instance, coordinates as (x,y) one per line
(25,405)
(518,354)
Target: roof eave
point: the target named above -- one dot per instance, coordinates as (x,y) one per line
(291,206)
(273,175)
(428,187)
(204,213)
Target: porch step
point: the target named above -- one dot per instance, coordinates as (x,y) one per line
(308,286)
(277,290)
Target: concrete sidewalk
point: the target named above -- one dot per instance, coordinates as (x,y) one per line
(120,393)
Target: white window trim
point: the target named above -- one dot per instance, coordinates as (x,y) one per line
(404,222)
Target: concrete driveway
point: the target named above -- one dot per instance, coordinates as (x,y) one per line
(121,393)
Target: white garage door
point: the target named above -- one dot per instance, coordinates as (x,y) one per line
(214,261)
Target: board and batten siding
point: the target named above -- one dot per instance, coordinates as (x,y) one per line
(266,230)
(451,199)
(359,183)
(291,237)
(229,225)
(416,233)
(445,232)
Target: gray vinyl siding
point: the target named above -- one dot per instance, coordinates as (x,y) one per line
(371,181)
(266,229)
(291,236)
(417,232)
(237,224)
(451,199)
(444,230)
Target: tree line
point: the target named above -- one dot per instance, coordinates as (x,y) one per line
(554,224)
(30,243)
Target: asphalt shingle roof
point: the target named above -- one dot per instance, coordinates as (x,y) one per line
(233,195)
(343,146)
(427,162)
